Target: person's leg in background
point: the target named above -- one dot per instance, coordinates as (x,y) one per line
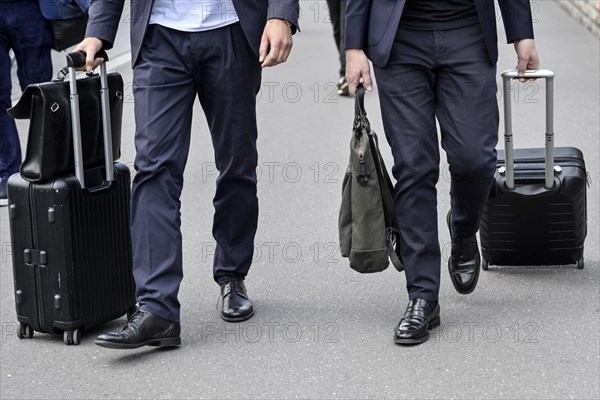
(337,13)
(26,32)
(10,149)
(343,89)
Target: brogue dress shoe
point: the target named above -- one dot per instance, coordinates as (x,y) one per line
(237,306)
(416,322)
(464,263)
(143,329)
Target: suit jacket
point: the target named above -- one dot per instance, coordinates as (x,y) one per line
(371,25)
(104,17)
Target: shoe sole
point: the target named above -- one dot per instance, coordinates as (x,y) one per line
(165,342)
(237,319)
(432,324)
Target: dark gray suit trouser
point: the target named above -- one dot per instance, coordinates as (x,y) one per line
(220,68)
(448,75)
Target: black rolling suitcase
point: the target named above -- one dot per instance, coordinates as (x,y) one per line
(71,240)
(536,212)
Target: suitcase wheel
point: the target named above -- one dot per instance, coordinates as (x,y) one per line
(25,331)
(484,264)
(580,263)
(72,337)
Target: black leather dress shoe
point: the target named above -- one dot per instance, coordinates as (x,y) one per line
(418,319)
(237,306)
(464,263)
(143,329)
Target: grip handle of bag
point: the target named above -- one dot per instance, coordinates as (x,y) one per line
(507,76)
(77,59)
(359,107)
(361,123)
(73,61)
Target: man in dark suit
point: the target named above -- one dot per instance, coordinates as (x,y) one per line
(436,59)
(180,50)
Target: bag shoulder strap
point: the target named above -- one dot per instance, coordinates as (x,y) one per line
(387,199)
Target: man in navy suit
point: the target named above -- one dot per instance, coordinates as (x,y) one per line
(436,59)
(183,49)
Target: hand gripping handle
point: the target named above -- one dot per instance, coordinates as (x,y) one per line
(77,58)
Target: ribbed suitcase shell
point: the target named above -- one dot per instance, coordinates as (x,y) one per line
(86,278)
(532,225)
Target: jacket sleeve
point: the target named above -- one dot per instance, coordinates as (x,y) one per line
(357,21)
(518,23)
(285,9)
(104,18)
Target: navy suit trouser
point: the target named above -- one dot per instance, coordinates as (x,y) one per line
(220,68)
(445,75)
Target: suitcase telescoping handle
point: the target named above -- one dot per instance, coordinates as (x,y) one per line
(508,135)
(76,60)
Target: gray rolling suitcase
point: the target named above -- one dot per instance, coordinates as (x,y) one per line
(536,213)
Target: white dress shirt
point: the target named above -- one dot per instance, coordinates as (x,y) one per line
(193,15)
